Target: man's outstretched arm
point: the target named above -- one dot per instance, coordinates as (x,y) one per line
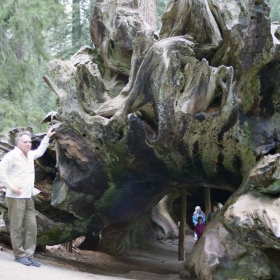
(45,143)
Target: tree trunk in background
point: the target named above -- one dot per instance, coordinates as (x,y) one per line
(148,10)
(76,21)
(92,4)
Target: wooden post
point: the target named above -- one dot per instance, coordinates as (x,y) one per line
(43,248)
(68,246)
(181,249)
(207,197)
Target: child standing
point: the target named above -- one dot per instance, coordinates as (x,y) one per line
(199,228)
(198,213)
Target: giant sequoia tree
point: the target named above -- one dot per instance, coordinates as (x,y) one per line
(140,114)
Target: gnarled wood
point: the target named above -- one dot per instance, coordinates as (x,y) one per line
(138,115)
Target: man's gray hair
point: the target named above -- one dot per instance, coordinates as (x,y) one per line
(19,134)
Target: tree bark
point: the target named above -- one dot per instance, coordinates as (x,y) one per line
(148,10)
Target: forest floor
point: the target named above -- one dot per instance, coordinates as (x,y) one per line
(157,260)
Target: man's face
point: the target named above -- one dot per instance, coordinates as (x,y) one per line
(198,210)
(24,144)
(215,209)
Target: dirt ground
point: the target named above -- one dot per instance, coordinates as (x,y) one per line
(157,260)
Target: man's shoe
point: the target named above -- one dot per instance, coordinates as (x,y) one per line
(34,263)
(23,260)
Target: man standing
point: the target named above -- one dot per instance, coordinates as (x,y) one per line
(17,174)
(215,209)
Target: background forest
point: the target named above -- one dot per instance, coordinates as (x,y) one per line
(31,34)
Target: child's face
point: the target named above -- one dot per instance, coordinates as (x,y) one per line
(200,221)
